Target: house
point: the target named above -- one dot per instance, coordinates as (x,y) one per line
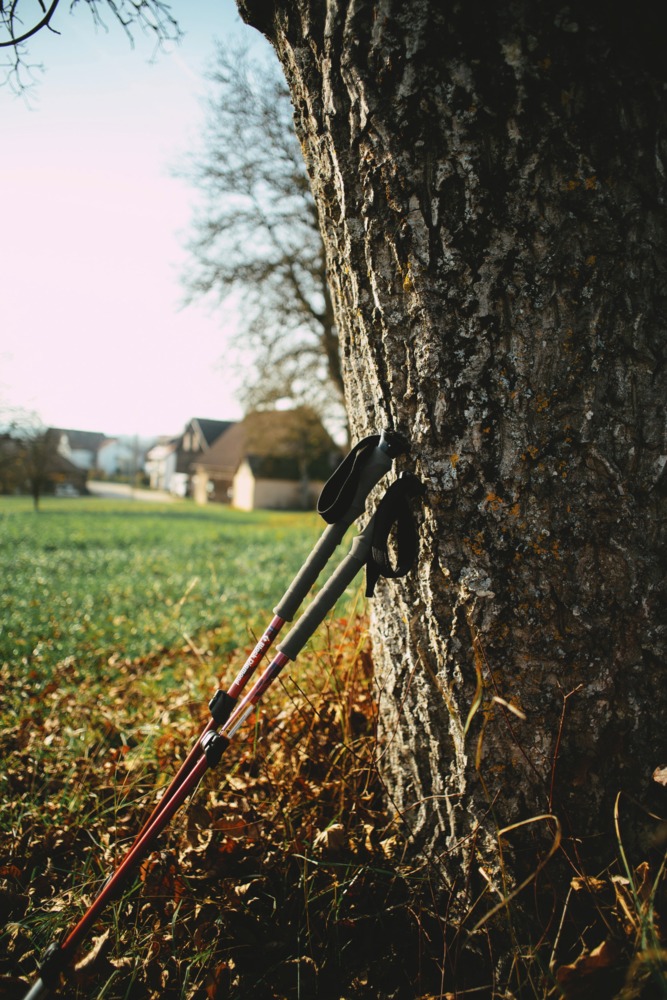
(122,456)
(169,463)
(161,463)
(214,471)
(272,459)
(79,447)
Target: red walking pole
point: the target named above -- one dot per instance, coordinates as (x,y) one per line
(348,494)
(341,502)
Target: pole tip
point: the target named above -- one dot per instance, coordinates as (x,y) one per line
(38,990)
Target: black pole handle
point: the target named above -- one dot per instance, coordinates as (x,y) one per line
(326,599)
(348,489)
(370,548)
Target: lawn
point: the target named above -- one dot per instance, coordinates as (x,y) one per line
(90,579)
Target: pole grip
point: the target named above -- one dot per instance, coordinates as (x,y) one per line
(334,588)
(375,466)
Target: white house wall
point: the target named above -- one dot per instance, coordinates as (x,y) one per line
(116,457)
(243,488)
(249,493)
(277,494)
(160,468)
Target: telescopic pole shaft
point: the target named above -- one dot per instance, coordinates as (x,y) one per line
(375,465)
(210,746)
(38,990)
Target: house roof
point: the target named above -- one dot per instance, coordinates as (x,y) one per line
(81,440)
(211,429)
(257,438)
(197,437)
(226,454)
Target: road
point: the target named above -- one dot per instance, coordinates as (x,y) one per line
(121,491)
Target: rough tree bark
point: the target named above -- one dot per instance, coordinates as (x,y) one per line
(490,179)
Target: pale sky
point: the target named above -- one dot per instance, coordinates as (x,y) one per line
(93,226)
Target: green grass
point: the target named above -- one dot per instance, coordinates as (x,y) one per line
(92,579)
(118,619)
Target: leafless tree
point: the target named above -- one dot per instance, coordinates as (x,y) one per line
(28,454)
(256,234)
(38,451)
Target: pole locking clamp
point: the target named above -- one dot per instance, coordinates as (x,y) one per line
(214,745)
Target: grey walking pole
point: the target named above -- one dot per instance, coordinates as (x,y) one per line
(343,500)
(374,466)
(369,548)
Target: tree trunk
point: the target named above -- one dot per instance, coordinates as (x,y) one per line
(490,180)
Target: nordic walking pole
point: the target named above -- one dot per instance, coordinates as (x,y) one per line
(209,749)
(342,501)
(368,549)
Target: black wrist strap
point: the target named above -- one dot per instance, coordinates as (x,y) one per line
(339,490)
(394,517)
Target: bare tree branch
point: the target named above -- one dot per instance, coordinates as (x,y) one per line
(256,234)
(18,39)
(152,17)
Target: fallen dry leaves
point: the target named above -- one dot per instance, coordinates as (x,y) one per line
(272,882)
(282,878)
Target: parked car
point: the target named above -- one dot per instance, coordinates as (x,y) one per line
(66,490)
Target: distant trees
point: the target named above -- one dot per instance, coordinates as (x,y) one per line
(28,456)
(38,449)
(256,234)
